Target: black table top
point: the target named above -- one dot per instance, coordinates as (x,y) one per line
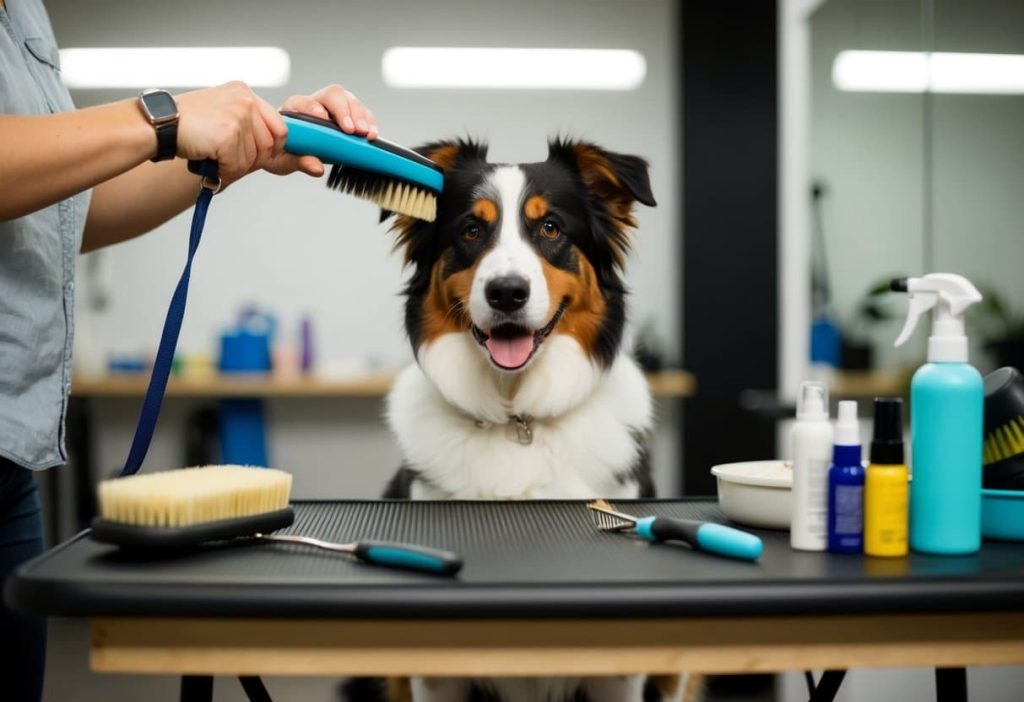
(523,559)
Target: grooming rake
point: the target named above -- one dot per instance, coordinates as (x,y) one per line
(701,536)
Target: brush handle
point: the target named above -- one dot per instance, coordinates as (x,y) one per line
(312,136)
(420,558)
(704,536)
(384,553)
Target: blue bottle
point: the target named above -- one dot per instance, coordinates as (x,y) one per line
(846,485)
(947,397)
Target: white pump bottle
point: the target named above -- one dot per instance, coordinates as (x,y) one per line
(812,453)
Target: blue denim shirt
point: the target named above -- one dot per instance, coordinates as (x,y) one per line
(37,260)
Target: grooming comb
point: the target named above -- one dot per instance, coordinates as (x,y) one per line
(702,536)
(183,509)
(395,178)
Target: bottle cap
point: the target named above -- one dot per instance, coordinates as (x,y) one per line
(887,442)
(847,427)
(813,401)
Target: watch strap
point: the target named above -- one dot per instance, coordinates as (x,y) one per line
(166,141)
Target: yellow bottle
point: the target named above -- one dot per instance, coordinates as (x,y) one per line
(886,484)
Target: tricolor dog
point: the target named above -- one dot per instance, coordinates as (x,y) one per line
(522,388)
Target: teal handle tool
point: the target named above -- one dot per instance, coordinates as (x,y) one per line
(312,136)
(385,553)
(410,557)
(704,536)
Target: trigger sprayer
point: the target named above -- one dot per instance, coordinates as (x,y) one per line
(946,400)
(948,296)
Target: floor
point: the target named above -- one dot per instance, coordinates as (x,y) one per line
(69,679)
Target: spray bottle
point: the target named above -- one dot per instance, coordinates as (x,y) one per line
(812,450)
(946,400)
(846,485)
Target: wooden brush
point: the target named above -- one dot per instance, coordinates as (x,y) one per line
(183,509)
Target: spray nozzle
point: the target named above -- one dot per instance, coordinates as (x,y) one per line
(947,295)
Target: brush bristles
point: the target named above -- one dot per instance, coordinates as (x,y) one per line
(190,496)
(1005,441)
(388,194)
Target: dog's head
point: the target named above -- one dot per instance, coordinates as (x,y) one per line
(521,253)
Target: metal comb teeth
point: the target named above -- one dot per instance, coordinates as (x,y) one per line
(607,519)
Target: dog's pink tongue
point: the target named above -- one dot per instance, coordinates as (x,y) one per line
(510,353)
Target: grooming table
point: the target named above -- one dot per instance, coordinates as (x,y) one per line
(543,592)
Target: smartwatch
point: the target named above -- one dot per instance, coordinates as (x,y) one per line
(162,112)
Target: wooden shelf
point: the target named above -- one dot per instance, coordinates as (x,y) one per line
(675,383)
(876,383)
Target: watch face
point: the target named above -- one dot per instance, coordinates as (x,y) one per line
(160,105)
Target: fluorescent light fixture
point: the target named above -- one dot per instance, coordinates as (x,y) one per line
(174,67)
(502,69)
(917,72)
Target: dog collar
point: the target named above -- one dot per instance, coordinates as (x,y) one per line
(519,428)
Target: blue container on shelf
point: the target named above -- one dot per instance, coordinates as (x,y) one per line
(245,348)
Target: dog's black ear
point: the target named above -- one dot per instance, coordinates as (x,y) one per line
(451,152)
(615,178)
(614,183)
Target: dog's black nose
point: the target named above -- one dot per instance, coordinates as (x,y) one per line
(508,294)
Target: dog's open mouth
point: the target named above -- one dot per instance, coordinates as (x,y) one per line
(511,346)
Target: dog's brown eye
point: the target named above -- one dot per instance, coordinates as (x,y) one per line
(471,232)
(549,230)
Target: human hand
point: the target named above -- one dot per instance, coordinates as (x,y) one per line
(334,103)
(232,125)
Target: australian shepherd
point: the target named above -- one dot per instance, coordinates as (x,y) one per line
(522,389)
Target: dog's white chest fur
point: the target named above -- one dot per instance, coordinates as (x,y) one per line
(452,412)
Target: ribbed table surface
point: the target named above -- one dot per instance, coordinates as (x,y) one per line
(538,559)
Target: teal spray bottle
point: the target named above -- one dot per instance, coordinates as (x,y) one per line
(946,401)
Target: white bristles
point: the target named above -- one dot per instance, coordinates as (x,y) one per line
(392,196)
(405,199)
(190,496)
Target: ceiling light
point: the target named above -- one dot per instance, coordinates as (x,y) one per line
(174,67)
(938,72)
(541,69)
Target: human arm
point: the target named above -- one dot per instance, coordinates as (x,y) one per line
(150,194)
(45,159)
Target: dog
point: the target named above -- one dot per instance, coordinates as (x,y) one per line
(523,387)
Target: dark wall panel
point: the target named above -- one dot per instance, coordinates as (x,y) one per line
(730,298)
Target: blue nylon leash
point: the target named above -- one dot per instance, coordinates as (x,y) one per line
(172,326)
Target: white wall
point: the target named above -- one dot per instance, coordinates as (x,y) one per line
(291,244)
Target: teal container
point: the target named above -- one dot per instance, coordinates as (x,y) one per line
(946,417)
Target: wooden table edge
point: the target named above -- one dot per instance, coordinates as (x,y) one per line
(552,647)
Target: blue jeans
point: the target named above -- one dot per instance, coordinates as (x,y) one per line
(22,638)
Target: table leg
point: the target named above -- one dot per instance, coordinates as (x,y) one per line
(951,685)
(254,689)
(196,688)
(828,686)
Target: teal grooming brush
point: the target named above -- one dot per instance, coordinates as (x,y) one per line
(393,177)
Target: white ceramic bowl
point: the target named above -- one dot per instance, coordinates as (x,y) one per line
(756,493)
